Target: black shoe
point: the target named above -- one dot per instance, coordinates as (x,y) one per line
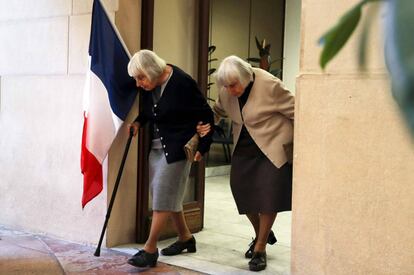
(258,261)
(178,247)
(144,259)
(270,240)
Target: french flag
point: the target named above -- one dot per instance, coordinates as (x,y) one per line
(109,95)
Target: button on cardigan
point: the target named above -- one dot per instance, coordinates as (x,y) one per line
(176,115)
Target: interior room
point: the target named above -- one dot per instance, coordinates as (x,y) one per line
(225,235)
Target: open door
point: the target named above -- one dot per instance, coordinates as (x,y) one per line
(191,14)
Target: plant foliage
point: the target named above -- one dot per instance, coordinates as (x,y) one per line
(399,48)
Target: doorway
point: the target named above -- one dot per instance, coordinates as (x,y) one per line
(171,28)
(224,231)
(240,31)
(254,31)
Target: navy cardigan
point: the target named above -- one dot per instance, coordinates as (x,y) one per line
(176,115)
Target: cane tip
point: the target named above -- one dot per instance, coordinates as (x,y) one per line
(97,253)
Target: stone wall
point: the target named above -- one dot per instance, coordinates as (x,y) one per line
(352,201)
(43,54)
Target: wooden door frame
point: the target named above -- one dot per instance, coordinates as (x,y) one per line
(147,38)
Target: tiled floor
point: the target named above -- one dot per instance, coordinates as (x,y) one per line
(225,237)
(220,247)
(22,253)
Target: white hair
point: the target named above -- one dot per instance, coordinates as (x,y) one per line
(233,68)
(148,63)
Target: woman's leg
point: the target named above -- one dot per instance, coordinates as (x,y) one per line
(254,220)
(265,225)
(181,227)
(258,261)
(186,240)
(158,221)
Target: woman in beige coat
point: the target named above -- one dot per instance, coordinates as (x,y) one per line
(262,113)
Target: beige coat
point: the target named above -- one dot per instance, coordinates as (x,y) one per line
(268,115)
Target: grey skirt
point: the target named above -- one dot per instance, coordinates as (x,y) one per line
(168,181)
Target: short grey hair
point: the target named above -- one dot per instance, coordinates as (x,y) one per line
(148,63)
(233,68)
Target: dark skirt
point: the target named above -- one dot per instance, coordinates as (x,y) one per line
(257,185)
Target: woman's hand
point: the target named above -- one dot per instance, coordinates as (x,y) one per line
(135,126)
(198,156)
(203,129)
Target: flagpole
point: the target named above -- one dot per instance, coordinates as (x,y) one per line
(115,29)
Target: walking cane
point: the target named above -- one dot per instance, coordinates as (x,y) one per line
(111,203)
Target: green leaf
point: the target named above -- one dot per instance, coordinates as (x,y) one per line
(263,52)
(362,49)
(337,36)
(399,53)
(363,40)
(211,71)
(211,49)
(258,45)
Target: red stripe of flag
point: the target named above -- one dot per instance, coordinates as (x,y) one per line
(91,170)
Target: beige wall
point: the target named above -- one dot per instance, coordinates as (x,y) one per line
(42,71)
(352,199)
(230,27)
(229,32)
(128,21)
(291,47)
(266,23)
(175,33)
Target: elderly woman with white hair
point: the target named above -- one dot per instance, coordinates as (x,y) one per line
(172,105)
(262,112)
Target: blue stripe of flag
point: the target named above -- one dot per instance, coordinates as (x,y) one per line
(109,62)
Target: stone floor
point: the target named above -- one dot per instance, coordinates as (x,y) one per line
(23,253)
(220,247)
(225,238)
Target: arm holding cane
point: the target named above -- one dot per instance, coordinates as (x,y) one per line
(134,127)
